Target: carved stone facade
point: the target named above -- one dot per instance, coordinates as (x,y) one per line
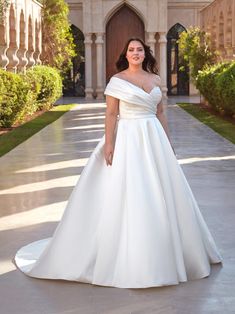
(157,16)
(20,36)
(218,18)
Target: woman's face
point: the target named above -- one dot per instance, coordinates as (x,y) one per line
(135,53)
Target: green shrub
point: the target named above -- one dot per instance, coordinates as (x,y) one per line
(21,95)
(206,83)
(225,84)
(1,93)
(47,84)
(34,86)
(15,94)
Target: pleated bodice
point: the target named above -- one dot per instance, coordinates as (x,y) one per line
(134,101)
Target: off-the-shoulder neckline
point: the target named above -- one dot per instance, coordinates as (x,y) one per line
(136,85)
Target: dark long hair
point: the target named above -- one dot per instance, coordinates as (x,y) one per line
(149,64)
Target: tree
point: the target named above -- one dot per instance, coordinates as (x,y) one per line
(57,40)
(3,7)
(195,48)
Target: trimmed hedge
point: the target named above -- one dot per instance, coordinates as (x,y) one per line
(14,97)
(225,84)
(22,95)
(47,85)
(217,85)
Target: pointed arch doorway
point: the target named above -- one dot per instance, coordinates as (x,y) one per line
(125,23)
(177,80)
(74,80)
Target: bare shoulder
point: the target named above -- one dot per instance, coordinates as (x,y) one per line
(156,78)
(119,74)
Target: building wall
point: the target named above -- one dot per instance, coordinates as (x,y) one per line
(218,19)
(91,16)
(76,14)
(20,36)
(186,13)
(158,16)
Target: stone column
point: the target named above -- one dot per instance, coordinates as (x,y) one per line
(3,57)
(3,47)
(163,63)
(21,53)
(13,46)
(99,58)
(12,56)
(36,56)
(37,52)
(151,41)
(31,44)
(23,61)
(88,66)
(29,54)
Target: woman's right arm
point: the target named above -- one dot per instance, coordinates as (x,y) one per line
(112,110)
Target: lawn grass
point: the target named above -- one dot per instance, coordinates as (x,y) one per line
(10,140)
(218,124)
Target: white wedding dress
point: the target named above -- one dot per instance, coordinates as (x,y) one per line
(134,224)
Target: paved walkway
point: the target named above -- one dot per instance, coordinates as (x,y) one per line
(36,179)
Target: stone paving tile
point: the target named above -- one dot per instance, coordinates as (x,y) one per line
(36,179)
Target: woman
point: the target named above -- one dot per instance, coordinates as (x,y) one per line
(132,220)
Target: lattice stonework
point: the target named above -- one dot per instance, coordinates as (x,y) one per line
(218,19)
(20,35)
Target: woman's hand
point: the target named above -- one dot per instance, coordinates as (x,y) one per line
(108,153)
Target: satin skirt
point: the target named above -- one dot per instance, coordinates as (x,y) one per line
(135,224)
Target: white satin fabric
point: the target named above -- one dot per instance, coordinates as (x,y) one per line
(135,224)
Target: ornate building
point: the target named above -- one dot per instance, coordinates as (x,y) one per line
(218,18)
(105,25)
(20,35)
(101,28)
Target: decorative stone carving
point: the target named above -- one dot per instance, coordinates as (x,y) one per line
(37,44)
(30,51)
(17,36)
(21,53)
(3,47)
(13,47)
(219,19)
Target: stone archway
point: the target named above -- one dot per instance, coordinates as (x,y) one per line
(74,82)
(177,81)
(124,23)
